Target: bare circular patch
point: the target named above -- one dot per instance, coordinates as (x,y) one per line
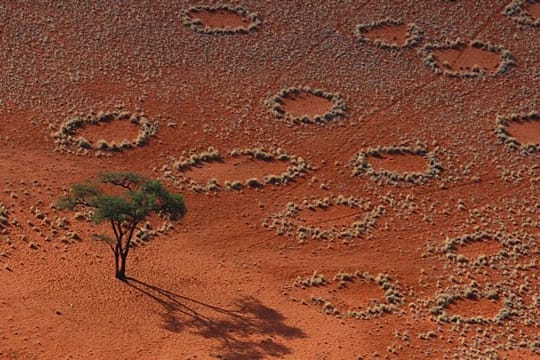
(306,105)
(222,19)
(398,163)
(475,305)
(68,139)
(520,131)
(247,168)
(494,247)
(458,59)
(390,34)
(350,295)
(326,219)
(526,12)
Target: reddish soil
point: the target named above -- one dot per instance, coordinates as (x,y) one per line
(213,287)
(356,295)
(337,215)
(306,104)
(533,9)
(400,163)
(467,58)
(480,307)
(394,34)
(526,132)
(475,249)
(239,169)
(114,131)
(219,19)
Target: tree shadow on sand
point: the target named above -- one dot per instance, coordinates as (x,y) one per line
(249,330)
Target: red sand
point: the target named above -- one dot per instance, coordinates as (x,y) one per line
(399,163)
(114,131)
(526,132)
(306,104)
(213,286)
(469,57)
(395,34)
(533,9)
(219,19)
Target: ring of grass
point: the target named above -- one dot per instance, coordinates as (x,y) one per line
(512,305)
(513,246)
(414,34)
(65,136)
(275,105)
(199,27)
(298,167)
(284,222)
(516,11)
(362,166)
(507,59)
(509,140)
(392,295)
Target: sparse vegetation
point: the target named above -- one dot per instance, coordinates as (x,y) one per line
(414,34)
(189,18)
(139,198)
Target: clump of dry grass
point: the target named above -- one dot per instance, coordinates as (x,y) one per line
(66,138)
(517,11)
(297,167)
(286,222)
(189,19)
(414,34)
(507,59)
(275,104)
(4,212)
(362,166)
(510,141)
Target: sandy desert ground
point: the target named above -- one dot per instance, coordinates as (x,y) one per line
(362,178)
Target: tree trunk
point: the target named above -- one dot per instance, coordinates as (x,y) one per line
(120,266)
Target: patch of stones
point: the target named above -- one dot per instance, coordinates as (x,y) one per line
(361,165)
(510,141)
(297,168)
(507,59)
(286,222)
(66,137)
(275,105)
(393,297)
(512,246)
(517,11)
(197,25)
(414,34)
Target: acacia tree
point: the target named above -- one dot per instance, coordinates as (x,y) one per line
(124,200)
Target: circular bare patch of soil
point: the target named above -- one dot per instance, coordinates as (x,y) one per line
(487,248)
(350,295)
(326,219)
(398,163)
(116,131)
(526,12)
(306,105)
(475,305)
(520,131)
(247,168)
(458,59)
(223,19)
(390,34)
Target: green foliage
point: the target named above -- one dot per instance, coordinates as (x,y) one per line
(124,199)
